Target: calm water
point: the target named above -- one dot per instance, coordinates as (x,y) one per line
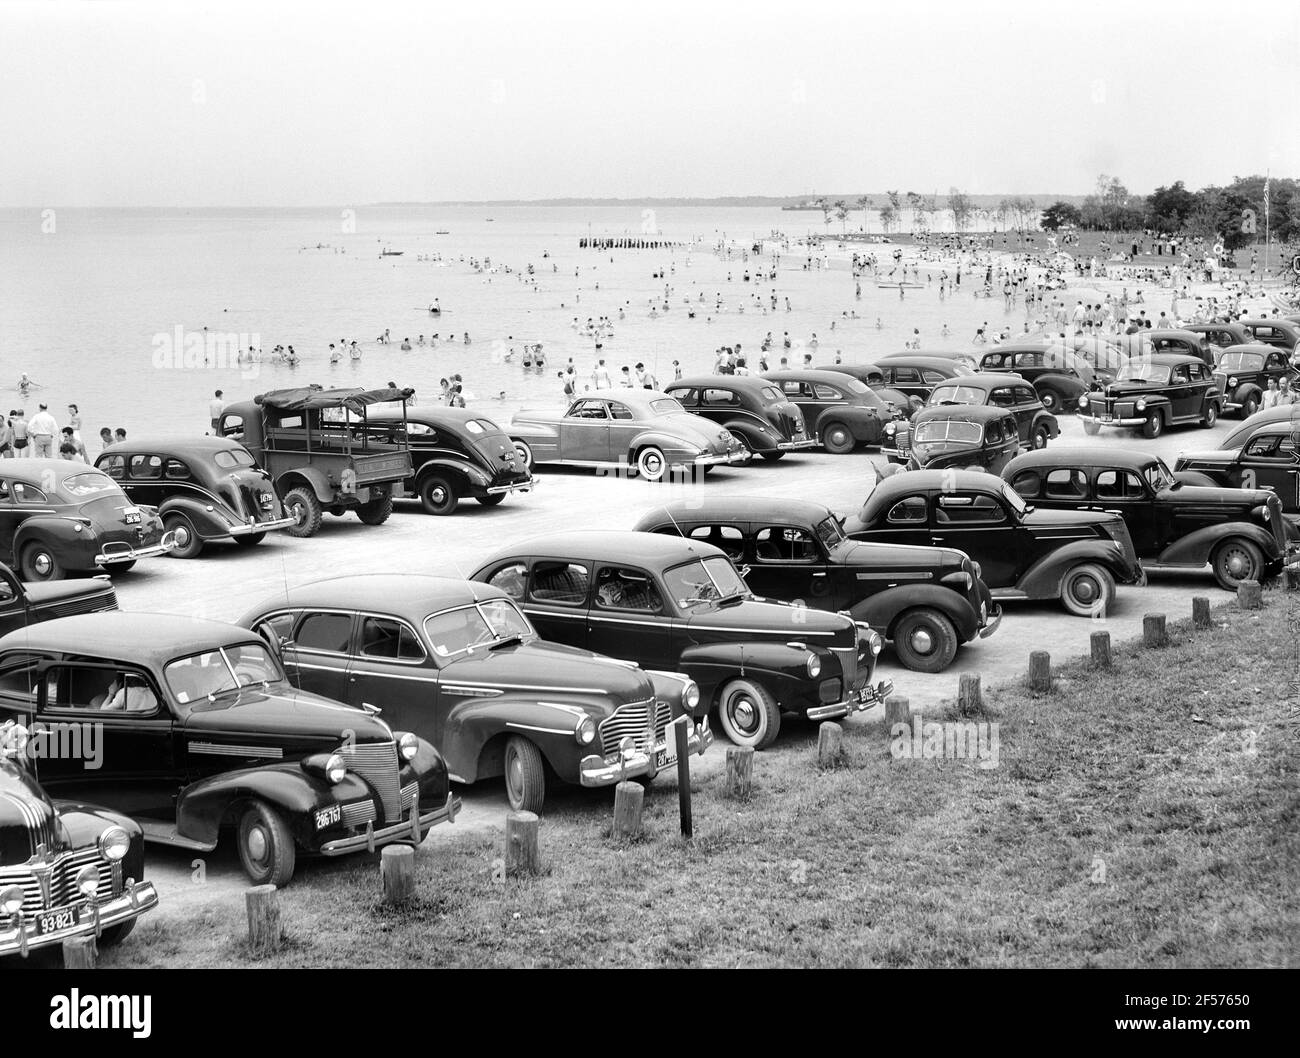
(84,303)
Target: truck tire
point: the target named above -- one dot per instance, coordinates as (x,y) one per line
(376,512)
(305,507)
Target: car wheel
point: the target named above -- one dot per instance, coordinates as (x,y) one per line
(1091,428)
(1087,590)
(1236,560)
(266,848)
(492,500)
(39,563)
(772,457)
(525,776)
(376,512)
(188,542)
(524,453)
(925,640)
(438,495)
(1040,437)
(838,439)
(1249,407)
(113,935)
(1154,426)
(748,714)
(1051,400)
(305,508)
(249,539)
(1211,415)
(651,465)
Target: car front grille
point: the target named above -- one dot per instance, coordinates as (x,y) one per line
(376,762)
(358,813)
(1276,524)
(633,720)
(849,666)
(62,880)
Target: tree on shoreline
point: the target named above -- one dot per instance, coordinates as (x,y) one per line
(864,203)
(842,214)
(960,204)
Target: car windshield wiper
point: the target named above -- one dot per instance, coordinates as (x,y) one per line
(505,641)
(695,600)
(735,596)
(222,692)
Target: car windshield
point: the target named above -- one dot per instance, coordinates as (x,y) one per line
(709,580)
(956,394)
(1013,499)
(1241,362)
(829,532)
(479,624)
(212,673)
(90,483)
(233,457)
(1136,371)
(947,430)
(1158,475)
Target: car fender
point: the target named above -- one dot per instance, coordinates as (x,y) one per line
(667,442)
(1067,385)
(312,477)
(209,524)
(1046,418)
(60,534)
(473,740)
(755,437)
(780,667)
(1043,579)
(532,432)
(883,609)
(1196,477)
(1243,392)
(1196,546)
(456,469)
(864,424)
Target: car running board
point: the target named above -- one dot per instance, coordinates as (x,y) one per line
(165,834)
(1008,593)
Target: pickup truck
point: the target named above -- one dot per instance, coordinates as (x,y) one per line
(26,604)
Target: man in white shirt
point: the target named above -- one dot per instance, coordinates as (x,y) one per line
(216,406)
(41,430)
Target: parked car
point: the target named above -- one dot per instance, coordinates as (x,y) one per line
(872,376)
(1153,393)
(915,375)
(754,411)
(927,600)
(1221,335)
(648,432)
(204,489)
(954,435)
(1023,552)
(1035,425)
(1242,433)
(1246,371)
(455,453)
(59,516)
(839,411)
(1103,356)
(1281,333)
(1178,340)
(202,731)
(26,604)
(66,869)
(460,665)
(682,605)
(1058,377)
(305,440)
(1268,458)
(1238,532)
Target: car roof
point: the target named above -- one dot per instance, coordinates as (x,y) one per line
(408,594)
(633,398)
(1024,347)
(1282,426)
(739,508)
(907,360)
(1084,455)
(989,381)
(1287,325)
(205,444)
(437,414)
(143,638)
(1173,332)
(967,412)
(43,471)
(1171,359)
(753,383)
(932,480)
(1254,347)
(613,545)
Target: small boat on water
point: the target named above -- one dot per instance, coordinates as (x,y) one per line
(442,233)
(391,253)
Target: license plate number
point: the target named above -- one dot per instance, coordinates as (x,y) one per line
(667,755)
(327,817)
(53,921)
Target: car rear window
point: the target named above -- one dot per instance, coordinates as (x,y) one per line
(232,458)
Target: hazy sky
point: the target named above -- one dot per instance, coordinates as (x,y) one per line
(112,104)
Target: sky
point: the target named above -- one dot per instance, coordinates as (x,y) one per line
(330,104)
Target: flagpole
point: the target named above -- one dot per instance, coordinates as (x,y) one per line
(1268,178)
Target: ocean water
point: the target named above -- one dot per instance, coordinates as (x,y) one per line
(95,301)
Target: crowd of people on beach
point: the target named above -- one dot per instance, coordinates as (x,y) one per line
(41,437)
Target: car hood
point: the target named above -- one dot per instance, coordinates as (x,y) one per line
(1210,496)
(877,556)
(50,593)
(296,721)
(1219,455)
(1132,388)
(924,451)
(1042,518)
(551,668)
(766,620)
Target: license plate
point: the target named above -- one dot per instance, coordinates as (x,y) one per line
(53,921)
(1107,418)
(667,755)
(327,817)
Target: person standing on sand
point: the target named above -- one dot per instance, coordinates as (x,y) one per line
(42,431)
(215,407)
(6,439)
(105,438)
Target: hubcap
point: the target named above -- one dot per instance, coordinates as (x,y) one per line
(182,536)
(439,495)
(743,714)
(257,844)
(1238,563)
(922,641)
(43,564)
(516,776)
(1085,590)
(653,465)
(299,511)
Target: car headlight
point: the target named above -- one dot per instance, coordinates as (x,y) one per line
(814,665)
(1233,381)
(979,570)
(585,732)
(875,643)
(336,768)
(408,745)
(88,881)
(114,843)
(1141,404)
(1083,400)
(11,900)
(890,427)
(691,695)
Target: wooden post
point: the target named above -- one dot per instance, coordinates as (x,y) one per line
(830,744)
(1200,611)
(80,953)
(629,798)
(523,855)
(1249,596)
(898,710)
(970,699)
(683,777)
(1291,578)
(1153,630)
(1040,670)
(397,872)
(1101,649)
(740,772)
(264,929)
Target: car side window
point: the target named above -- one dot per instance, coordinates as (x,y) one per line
(511,579)
(1002,396)
(908,375)
(5,493)
(688,397)
(327,633)
(114,467)
(25,493)
(1110,485)
(276,628)
(907,511)
(623,588)
(721,396)
(100,688)
(588,409)
(1026,395)
(232,426)
(1026,484)
(565,583)
(824,392)
(993,433)
(18,682)
(146,468)
(782,543)
(175,470)
(620,411)
(1066,483)
(726,537)
(968,509)
(383,637)
(1180,374)
(792,388)
(1265,448)
(932,377)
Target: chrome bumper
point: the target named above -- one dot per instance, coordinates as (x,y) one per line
(793,446)
(991,626)
(412,831)
(1112,422)
(726,457)
(863,699)
(136,899)
(126,553)
(522,486)
(597,771)
(245,528)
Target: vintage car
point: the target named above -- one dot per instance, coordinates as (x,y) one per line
(754,411)
(927,600)
(1246,371)
(25,604)
(307,441)
(1102,356)
(59,516)
(1281,333)
(871,376)
(681,605)
(1058,377)
(647,432)
(1035,425)
(1243,432)
(457,663)
(915,375)
(1176,340)
(1238,532)
(1221,335)
(1268,458)
(1022,552)
(972,437)
(204,489)
(1152,393)
(840,412)
(200,730)
(66,869)
(456,453)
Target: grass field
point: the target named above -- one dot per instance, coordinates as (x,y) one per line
(1143,817)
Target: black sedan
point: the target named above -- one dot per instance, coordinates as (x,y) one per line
(839,411)
(753,410)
